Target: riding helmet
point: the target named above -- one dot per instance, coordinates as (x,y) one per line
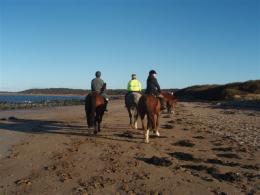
(152,72)
(98,74)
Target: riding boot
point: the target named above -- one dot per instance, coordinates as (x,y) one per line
(125,98)
(162,102)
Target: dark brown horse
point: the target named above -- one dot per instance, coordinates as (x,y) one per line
(170,100)
(94,108)
(149,106)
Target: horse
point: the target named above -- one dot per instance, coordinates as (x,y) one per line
(170,100)
(94,108)
(149,106)
(131,102)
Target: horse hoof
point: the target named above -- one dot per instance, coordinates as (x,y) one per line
(135,126)
(158,134)
(146,141)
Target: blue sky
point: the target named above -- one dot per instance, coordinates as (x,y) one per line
(61,43)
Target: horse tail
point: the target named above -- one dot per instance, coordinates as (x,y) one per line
(86,103)
(141,107)
(88,109)
(151,121)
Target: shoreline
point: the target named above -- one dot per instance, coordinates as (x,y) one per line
(40,94)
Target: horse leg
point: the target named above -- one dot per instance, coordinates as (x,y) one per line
(95,129)
(157,125)
(143,123)
(149,127)
(100,120)
(130,116)
(135,118)
(95,124)
(154,121)
(151,122)
(146,131)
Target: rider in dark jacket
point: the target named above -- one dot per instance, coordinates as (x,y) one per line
(98,85)
(154,88)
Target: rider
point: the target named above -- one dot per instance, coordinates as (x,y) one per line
(153,88)
(98,85)
(133,86)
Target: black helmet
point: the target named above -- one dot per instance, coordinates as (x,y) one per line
(152,72)
(98,74)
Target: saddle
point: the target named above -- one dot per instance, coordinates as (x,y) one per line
(160,98)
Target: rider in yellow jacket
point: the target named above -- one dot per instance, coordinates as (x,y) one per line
(133,85)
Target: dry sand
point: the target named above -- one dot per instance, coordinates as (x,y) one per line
(202,150)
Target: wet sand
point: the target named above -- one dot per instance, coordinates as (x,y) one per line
(202,150)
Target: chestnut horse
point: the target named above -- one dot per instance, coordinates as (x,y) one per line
(149,106)
(171,101)
(94,108)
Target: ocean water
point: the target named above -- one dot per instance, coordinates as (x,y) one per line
(35,98)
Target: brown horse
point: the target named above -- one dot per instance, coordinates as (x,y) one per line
(94,108)
(149,106)
(171,101)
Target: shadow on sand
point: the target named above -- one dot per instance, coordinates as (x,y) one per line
(36,126)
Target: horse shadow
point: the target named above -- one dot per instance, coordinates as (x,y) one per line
(37,126)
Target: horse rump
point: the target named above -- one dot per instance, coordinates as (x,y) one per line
(90,109)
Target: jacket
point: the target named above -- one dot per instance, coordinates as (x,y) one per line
(153,86)
(134,85)
(97,84)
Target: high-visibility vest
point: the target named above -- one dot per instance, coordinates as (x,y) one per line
(134,85)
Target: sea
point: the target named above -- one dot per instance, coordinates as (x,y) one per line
(7,98)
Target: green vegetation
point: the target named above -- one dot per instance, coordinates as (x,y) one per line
(249,90)
(67,91)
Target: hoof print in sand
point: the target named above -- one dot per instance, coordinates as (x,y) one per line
(167,116)
(183,156)
(23,182)
(157,161)
(252,167)
(220,162)
(222,149)
(228,155)
(125,134)
(199,137)
(229,176)
(184,143)
(167,126)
